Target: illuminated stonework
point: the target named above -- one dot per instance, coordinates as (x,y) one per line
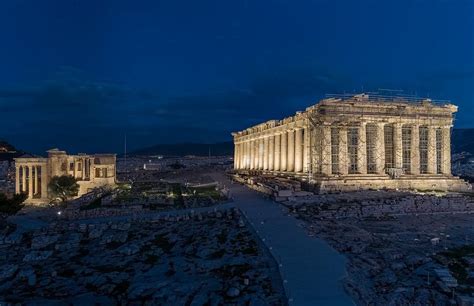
(91,171)
(356,142)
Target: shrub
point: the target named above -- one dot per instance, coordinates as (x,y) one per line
(11,206)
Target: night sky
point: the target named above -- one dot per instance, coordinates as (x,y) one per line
(79,75)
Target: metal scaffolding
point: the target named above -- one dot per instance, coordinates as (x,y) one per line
(372,156)
(423,131)
(353,141)
(336,146)
(439,152)
(406,148)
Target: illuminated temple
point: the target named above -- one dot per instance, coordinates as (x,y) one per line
(356,142)
(91,171)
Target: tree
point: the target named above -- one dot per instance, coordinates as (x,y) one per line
(63,187)
(11,206)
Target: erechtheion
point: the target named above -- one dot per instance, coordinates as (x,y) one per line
(91,171)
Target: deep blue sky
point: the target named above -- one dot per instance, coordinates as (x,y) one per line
(79,74)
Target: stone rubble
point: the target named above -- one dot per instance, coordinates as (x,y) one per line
(391,257)
(194,258)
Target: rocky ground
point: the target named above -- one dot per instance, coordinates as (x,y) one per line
(144,198)
(392,259)
(201,259)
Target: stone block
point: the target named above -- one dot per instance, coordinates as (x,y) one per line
(285,193)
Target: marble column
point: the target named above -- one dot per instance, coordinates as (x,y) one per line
(343,154)
(30,182)
(306,150)
(252,154)
(247,154)
(446,150)
(431,150)
(241,155)
(236,158)
(415,150)
(17,179)
(265,152)
(256,149)
(362,149)
(35,179)
(44,181)
(261,153)
(291,151)
(397,146)
(276,163)
(75,168)
(38,179)
(253,162)
(326,150)
(380,149)
(299,150)
(284,151)
(84,168)
(23,179)
(271,153)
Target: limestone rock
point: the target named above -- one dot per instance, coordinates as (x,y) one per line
(28,274)
(37,256)
(233,292)
(40,242)
(7,271)
(129,249)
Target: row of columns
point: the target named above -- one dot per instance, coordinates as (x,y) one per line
(28,180)
(379,149)
(286,151)
(432,160)
(343,158)
(289,151)
(84,171)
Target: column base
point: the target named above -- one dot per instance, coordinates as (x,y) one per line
(37,201)
(354,182)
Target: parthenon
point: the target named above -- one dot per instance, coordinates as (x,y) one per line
(34,173)
(356,142)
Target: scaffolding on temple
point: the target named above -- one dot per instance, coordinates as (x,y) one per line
(336,148)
